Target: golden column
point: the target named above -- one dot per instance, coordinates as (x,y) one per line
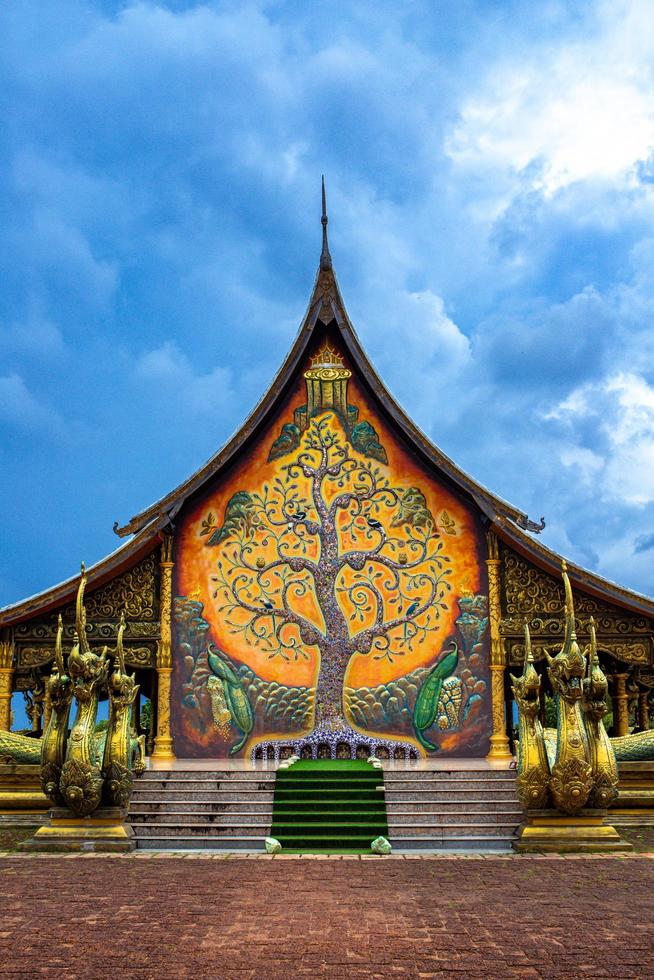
(621,704)
(163,743)
(499,742)
(6,684)
(643,710)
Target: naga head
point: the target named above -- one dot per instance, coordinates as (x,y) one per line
(122,685)
(595,685)
(526,687)
(566,670)
(59,682)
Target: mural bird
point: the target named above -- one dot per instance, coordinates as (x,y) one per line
(235,697)
(375,524)
(426,706)
(410,611)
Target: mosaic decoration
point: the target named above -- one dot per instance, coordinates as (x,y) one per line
(329,591)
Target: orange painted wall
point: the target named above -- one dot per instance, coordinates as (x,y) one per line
(195,561)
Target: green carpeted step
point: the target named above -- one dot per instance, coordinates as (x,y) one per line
(339,785)
(322,816)
(336,843)
(337,765)
(329,806)
(369,796)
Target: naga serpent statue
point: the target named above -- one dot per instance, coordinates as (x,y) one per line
(53,748)
(533,779)
(116,764)
(602,755)
(81,777)
(571,780)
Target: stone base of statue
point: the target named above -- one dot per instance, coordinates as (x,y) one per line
(22,803)
(586,831)
(104,831)
(635,803)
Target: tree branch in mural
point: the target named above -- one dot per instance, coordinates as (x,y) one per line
(318,560)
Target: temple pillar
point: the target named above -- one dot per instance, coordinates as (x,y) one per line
(6,684)
(499,740)
(620,704)
(643,710)
(163,742)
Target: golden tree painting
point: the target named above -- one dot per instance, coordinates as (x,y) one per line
(330,558)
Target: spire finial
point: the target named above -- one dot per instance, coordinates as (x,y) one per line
(325,257)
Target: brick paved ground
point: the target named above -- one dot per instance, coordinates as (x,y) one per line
(163,916)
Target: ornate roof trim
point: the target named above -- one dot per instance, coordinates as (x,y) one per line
(581,578)
(120,560)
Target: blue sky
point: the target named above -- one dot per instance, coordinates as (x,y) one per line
(490,172)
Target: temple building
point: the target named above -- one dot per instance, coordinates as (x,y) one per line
(329,583)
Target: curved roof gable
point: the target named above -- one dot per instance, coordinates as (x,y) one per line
(326,311)
(326,308)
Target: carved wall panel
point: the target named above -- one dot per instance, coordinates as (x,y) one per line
(136,592)
(636,652)
(528,593)
(37,656)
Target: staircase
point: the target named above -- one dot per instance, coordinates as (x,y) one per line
(329,806)
(222,810)
(331,810)
(461,809)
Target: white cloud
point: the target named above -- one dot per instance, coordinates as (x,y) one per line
(620,410)
(22,410)
(37,335)
(170,374)
(575,111)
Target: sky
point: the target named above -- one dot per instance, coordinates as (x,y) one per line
(490,175)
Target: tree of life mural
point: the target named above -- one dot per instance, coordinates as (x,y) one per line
(331,557)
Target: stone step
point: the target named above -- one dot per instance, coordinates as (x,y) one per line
(460,774)
(452,817)
(244,843)
(248,785)
(425,829)
(251,807)
(208,820)
(210,796)
(453,843)
(453,806)
(188,829)
(457,784)
(435,795)
(177,775)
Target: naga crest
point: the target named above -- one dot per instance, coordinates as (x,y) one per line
(596,685)
(567,669)
(526,687)
(122,686)
(87,670)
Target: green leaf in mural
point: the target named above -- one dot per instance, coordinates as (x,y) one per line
(414,510)
(239,512)
(366,441)
(286,441)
